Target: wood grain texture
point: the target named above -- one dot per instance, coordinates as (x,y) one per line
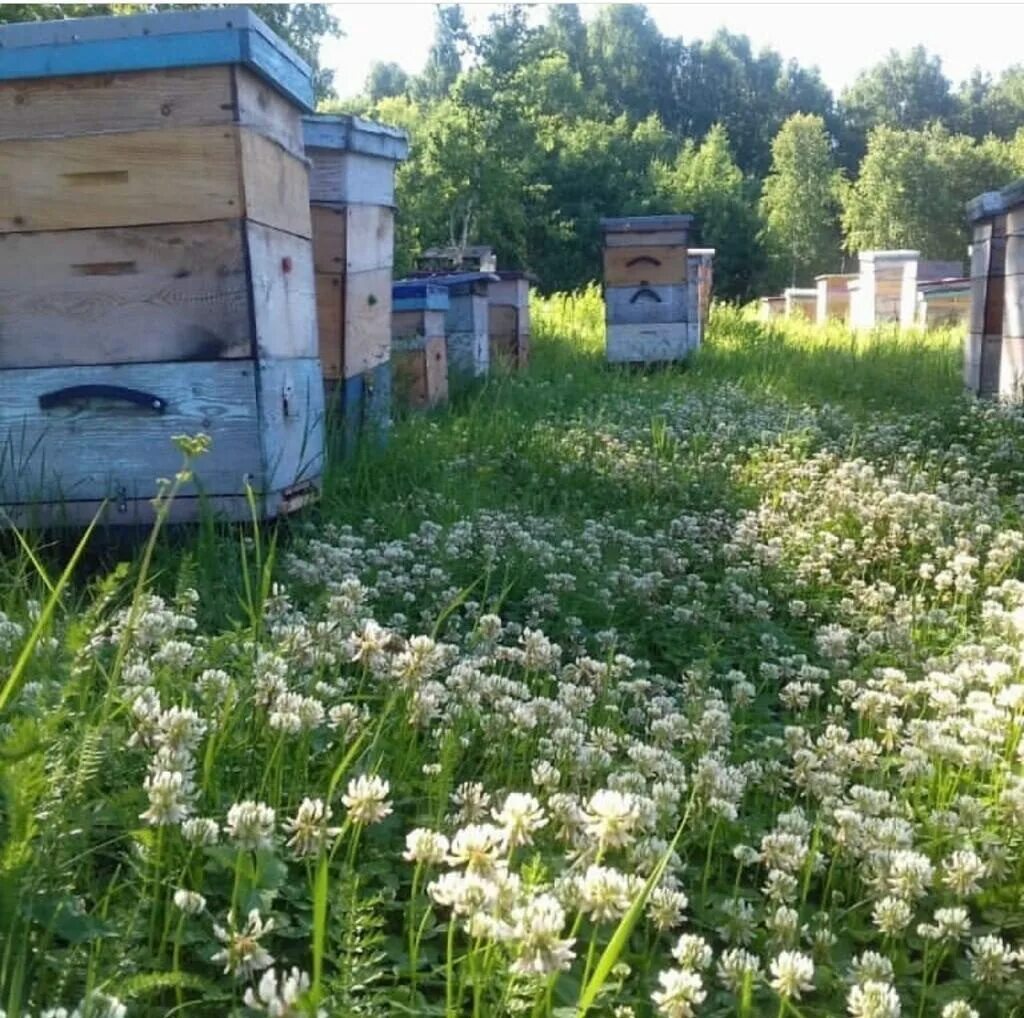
(330,318)
(637,266)
(1011,369)
(637,305)
(275,185)
(283,292)
(367,316)
(329,231)
(260,106)
(417,324)
(420,372)
(1013,306)
(122,295)
(370,238)
(654,238)
(95,448)
(649,344)
(1014,254)
(291,402)
(350,178)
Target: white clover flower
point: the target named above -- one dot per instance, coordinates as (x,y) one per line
(479,848)
(952,923)
(168,793)
(250,825)
(280,997)
(190,902)
(604,893)
(610,819)
(680,993)
(959,1009)
(665,907)
(537,935)
(243,954)
(873,1000)
(520,817)
(792,975)
(738,968)
(367,799)
(200,831)
(891,915)
(425,846)
(310,827)
(466,894)
(692,952)
(992,959)
(963,872)
(871,967)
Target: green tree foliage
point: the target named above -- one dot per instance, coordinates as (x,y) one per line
(913,186)
(800,199)
(385,81)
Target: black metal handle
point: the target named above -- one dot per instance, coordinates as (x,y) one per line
(643,260)
(61,397)
(647,293)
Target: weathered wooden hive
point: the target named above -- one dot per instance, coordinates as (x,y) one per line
(833,297)
(156,268)
(887,290)
(771,307)
(800,302)
(418,350)
(700,283)
(352,191)
(508,299)
(648,312)
(994,349)
(943,302)
(472,258)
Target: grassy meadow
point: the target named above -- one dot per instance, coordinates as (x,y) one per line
(605,692)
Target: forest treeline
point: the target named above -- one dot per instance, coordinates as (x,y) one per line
(525,134)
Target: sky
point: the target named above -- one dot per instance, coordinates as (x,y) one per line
(839,38)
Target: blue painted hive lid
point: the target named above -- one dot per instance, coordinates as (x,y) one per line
(346,132)
(419,296)
(150,42)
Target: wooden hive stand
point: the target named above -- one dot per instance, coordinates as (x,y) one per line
(418,351)
(649,317)
(352,191)
(156,267)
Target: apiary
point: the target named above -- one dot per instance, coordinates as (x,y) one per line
(649,308)
(418,351)
(833,297)
(352,193)
(508,299)
(800,302)
(156,268)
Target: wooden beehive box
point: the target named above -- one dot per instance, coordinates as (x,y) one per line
(1012,361)
(833,297)
(648,313)
(944,302)
(156,269)
(770,308)
(419,353)
(352,191)
(800,302)
(700,283)
(509,319)
(472,258)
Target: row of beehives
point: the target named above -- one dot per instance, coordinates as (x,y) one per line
(657,289)
(184,249)
(891,288)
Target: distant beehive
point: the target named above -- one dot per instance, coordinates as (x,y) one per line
(475,258)
(833,297)
(800,302)
(700,283)
(418,351)
(352,191)
(771,307)
(943,302)
(994,350)
(887,287)
(156,270)
(508,299)
(648,310)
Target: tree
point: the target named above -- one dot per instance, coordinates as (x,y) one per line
(386,80)
(799,202)
(444,61)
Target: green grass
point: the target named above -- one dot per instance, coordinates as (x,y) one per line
(769,599)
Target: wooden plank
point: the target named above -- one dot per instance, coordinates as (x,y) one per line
(649,344)
(92,448)
(329,226)
(291,400)
(1014,255)
(989,366)
(370,238)
(132,179)
(420,372)
(634,266)
(283,292)
(655,238)
(367,319)
(651,305)
(417,324)
(1013,306)
(994,306)
(1011,369)
(503,335)
(436,355)
(275,185)
(144,293)
(330,323)
(350,178)
(259,106)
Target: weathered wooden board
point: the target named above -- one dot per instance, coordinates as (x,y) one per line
(1014,254)
(330,317)
(350,178)
(467,312)
(1011,368)
(263,108)
(93,448)
(367,316)
(406,325)
(145,293)
(370,238)
(629,266)
(650,305)
(649,344)
(1013,306)
(150,177)
(283,293)
(505,339)
(654,238)
(329,231)
(420,372)
(291,420)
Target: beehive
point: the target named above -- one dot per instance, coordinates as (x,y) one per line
(800,302)
(833,297)
(352,191)
(700,284)
(156,269)
(508,299)
(887,290)
(472,258)
(944,302)
(418,351)
(648,311)
(771,307)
